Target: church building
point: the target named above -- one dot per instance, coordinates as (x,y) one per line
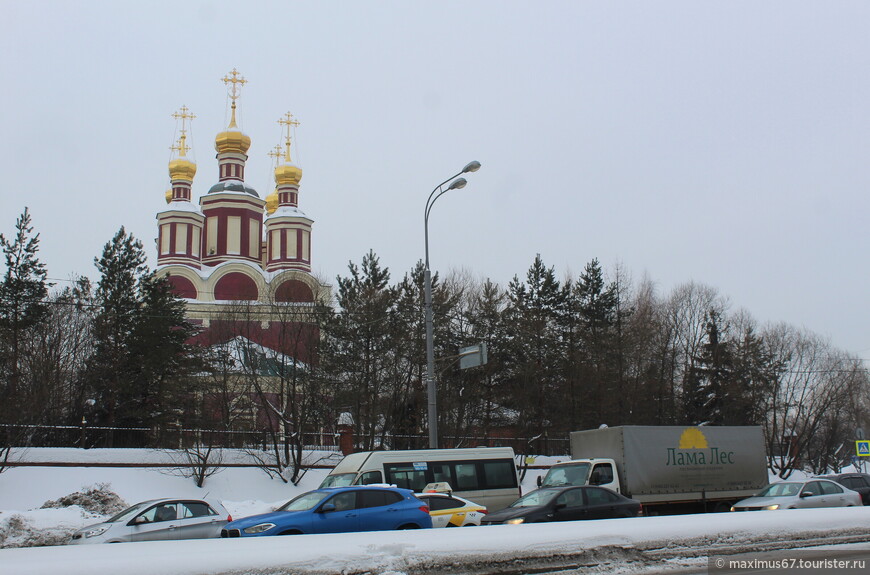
(241,262)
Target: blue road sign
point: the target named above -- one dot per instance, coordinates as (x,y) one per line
(862,447)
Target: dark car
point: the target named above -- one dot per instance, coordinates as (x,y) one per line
(568,503)
(859,482)
(337,510)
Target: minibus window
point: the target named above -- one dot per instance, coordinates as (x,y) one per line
(369,477)
(500,474)
(466,477)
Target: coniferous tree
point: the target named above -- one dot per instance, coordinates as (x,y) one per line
(597,308)
(363,345)
(533,348)
(708,388)
(141,367)
(163,365)
(112,368)
(485,317)
(22,307)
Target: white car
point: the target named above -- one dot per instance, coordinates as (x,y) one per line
(800,495)
(448,510)
(158,520)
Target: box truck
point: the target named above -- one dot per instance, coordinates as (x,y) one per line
(669,469)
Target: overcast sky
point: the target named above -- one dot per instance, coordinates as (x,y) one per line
(725,143)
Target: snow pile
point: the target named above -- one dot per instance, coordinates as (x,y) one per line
(48,527)
(97,499)
(57,519)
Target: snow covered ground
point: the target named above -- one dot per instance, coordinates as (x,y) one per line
(246,491)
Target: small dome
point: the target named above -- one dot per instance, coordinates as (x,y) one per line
(182,169)
(232,141)
(288,175)
(233,186)
(168,195)
(272,202)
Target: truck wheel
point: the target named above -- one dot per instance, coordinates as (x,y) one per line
(722,507)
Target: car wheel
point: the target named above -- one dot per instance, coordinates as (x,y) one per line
(409,526)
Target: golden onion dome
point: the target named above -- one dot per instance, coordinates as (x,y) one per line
(182,169)
(168,195)
(288,175)
(272,202)
(232,141)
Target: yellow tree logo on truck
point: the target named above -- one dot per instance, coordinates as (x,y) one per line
(693,449)
(692,438)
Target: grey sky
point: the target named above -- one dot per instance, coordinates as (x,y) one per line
(724,143)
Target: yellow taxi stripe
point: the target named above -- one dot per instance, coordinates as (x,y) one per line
(454,510)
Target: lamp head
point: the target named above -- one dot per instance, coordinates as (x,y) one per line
(471,167)
(457,184)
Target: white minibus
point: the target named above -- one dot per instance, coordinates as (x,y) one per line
(485,475)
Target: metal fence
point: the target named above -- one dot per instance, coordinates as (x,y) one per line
(171,437)
(174,437)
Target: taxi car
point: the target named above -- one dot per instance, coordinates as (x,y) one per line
(448,510)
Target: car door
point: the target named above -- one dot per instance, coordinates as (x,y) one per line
(197,520)
(603,476)
(157,523)
(834,495)
(445,511)
(379,510)
(602,504)
(570,505)
(811,496)
(339,516)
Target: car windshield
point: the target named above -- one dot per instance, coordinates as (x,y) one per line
(536,498)
(305,501)
(130,512)
(338,480)
(570,474)
(781,490)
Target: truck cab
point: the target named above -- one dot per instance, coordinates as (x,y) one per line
(600,472)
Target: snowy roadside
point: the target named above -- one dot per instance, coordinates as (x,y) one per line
(631,544)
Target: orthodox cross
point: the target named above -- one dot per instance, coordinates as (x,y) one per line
(183,114)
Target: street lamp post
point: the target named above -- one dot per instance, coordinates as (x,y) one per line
(456,184)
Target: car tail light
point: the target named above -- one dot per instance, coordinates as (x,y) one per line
(483,511)
(424,509)
(229,518)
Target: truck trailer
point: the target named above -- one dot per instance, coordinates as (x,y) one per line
(669,469)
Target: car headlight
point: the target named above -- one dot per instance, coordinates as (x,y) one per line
(516,521)
(96,531)
(771,507)
(258,528)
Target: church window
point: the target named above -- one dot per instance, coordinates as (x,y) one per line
(275,241)
(305,245)
(234,235)
(292,248)
(194,247)
(164,239)
(212,235)
(181,238)
(254,239)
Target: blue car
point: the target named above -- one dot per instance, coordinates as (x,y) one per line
(338,510)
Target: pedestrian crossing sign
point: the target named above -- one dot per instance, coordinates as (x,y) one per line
(862,447)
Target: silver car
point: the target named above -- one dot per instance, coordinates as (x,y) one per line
(800,495)
(157,520)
